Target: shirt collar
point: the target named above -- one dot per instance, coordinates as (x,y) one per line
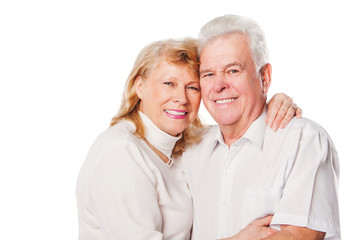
(218,138)
(255,133)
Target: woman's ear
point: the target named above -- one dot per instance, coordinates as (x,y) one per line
(266,77)
(139,86)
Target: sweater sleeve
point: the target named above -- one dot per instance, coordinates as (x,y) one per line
(123,194)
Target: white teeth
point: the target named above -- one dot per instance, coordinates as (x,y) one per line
(225,100)
(175,112)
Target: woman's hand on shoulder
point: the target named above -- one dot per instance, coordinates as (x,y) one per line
(280,110)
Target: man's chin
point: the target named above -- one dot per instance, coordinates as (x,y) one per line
(225,121)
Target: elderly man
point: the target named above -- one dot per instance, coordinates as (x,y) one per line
(242,170)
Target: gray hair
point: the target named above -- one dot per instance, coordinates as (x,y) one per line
(230,24)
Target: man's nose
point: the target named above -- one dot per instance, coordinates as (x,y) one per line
(220,83)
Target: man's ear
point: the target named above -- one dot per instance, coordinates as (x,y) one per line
(266,77)
(139,82)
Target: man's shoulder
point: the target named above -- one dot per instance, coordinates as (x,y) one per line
(207,139)
(299,130)
(211,130)
(307,126)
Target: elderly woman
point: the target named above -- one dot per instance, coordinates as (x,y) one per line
(131,185)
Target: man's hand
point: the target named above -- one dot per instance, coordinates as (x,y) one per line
(256,230)
(281,109)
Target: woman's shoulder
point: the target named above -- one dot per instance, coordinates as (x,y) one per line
(120,132)
(119,137)
(116,154)
(116,146)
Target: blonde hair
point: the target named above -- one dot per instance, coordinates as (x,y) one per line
(177,52)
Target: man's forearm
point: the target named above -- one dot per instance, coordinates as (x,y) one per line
(296,233)
(282,235)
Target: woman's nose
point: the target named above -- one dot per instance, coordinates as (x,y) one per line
(180,96)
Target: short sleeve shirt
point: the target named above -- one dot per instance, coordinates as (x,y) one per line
(292,173)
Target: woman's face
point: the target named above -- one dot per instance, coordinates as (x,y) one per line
(170,97)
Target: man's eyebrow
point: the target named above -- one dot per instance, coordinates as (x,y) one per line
(237,64)
(232,64)
(204,70)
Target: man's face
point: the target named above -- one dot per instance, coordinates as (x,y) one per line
(231,86)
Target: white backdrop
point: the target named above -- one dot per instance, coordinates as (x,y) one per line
(62,69)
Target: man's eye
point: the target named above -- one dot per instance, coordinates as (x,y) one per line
(168,83)
(233,71)
(207,75)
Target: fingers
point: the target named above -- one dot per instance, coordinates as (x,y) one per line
(266,232)
(291,112)
(263,222)
(281,109)
(272,230)
(257,229)
(277,109)
(269,231)
(271,114)
(263,226)
(286,112)
(299,112)
(273,107)
(288,116)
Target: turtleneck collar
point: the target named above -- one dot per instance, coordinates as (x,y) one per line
(161,140)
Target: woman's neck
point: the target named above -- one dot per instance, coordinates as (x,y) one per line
(161,155)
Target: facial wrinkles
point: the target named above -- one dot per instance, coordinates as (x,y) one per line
(225,94)
(232,102)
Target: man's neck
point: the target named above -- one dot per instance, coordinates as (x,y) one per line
(232,133)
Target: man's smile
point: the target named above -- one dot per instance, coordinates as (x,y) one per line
(226,100)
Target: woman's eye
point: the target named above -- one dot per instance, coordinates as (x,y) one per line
(193,88)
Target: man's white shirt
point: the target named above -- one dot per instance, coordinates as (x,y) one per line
(292,173)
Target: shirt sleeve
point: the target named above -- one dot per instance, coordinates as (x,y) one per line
(310,194)
(123,194)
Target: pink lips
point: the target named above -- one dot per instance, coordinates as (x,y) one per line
(176,114)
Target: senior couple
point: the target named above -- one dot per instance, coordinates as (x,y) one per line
(158,173)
